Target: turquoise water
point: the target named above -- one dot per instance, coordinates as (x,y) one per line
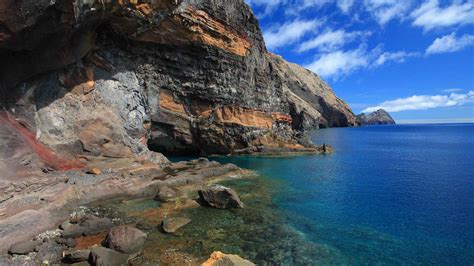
(389,194)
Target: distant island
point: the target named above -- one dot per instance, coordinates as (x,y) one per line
(379,117)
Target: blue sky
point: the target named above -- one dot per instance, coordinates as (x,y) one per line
(412,58)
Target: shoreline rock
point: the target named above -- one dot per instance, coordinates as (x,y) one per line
(220,197)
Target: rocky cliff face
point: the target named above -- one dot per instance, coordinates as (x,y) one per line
(379,117)
(113,78)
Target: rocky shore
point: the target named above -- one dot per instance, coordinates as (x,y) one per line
(40,227)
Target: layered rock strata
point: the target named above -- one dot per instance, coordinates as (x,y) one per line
(112,78)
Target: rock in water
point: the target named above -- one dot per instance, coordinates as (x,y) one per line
(165,194)
(220,197)
(101,256)
(220,259)
(379,117)
(126,239)
(172,225)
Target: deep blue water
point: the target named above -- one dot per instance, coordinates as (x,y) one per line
(389,194)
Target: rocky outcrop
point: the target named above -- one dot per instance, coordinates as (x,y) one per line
(379,117)
(115,78)
(126,239)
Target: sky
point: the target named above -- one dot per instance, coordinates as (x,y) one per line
(413,58)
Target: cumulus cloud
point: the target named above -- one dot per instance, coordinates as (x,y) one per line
(423,102)
(289,32)
(330,40)
(450,43)
(431,15)
(339,63)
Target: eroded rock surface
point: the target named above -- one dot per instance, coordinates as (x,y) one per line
(220,197)
(110,78)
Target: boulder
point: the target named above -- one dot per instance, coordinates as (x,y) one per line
(101,256)
(49,253)
(126,239)
(220,197)
(172,225)
(69,242)
(165,194)
(23,248)
(88,225)
(220,259)
(77,256)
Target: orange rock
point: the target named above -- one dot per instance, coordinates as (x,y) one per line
(167,102)
(95,171)
(219,258)
(87,242)
(244,117)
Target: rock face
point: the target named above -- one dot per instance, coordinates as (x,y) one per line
(114,78)
(379,117)
(172,225)
(220,197)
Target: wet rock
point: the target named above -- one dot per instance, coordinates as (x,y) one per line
(165,194)
(172,225)
(49,252)
(101,256)
(88,225)
(126,239)
(23,248)
(77,256)
(220,197)
(218,258)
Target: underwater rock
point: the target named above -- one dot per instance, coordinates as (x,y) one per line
(172,225)
(126,239)
(220,197)
(220,259)
(101,256)
(23,248)
(165,194)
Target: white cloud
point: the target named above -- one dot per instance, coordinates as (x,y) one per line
(330,40)
(345,5)
(430,15)
(385,10)
(423,102)
(398,57)
(339,63)
(450,43)
(289,32)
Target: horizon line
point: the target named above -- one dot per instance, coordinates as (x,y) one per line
(435,121)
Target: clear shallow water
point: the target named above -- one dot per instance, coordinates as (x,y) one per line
(389,194)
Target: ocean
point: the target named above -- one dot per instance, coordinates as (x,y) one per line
(401,194)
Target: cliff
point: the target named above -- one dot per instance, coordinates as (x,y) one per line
(379,117)
(118,77)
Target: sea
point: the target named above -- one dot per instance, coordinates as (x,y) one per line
(396,195)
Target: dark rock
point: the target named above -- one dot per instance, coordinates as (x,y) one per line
(126,239)
(379,117)
(88,225)
(23,248)
(69,242)
(49,252)
(171,225)
(220,197)
(165,194)
(77,256)
(65,225)
(101,256)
